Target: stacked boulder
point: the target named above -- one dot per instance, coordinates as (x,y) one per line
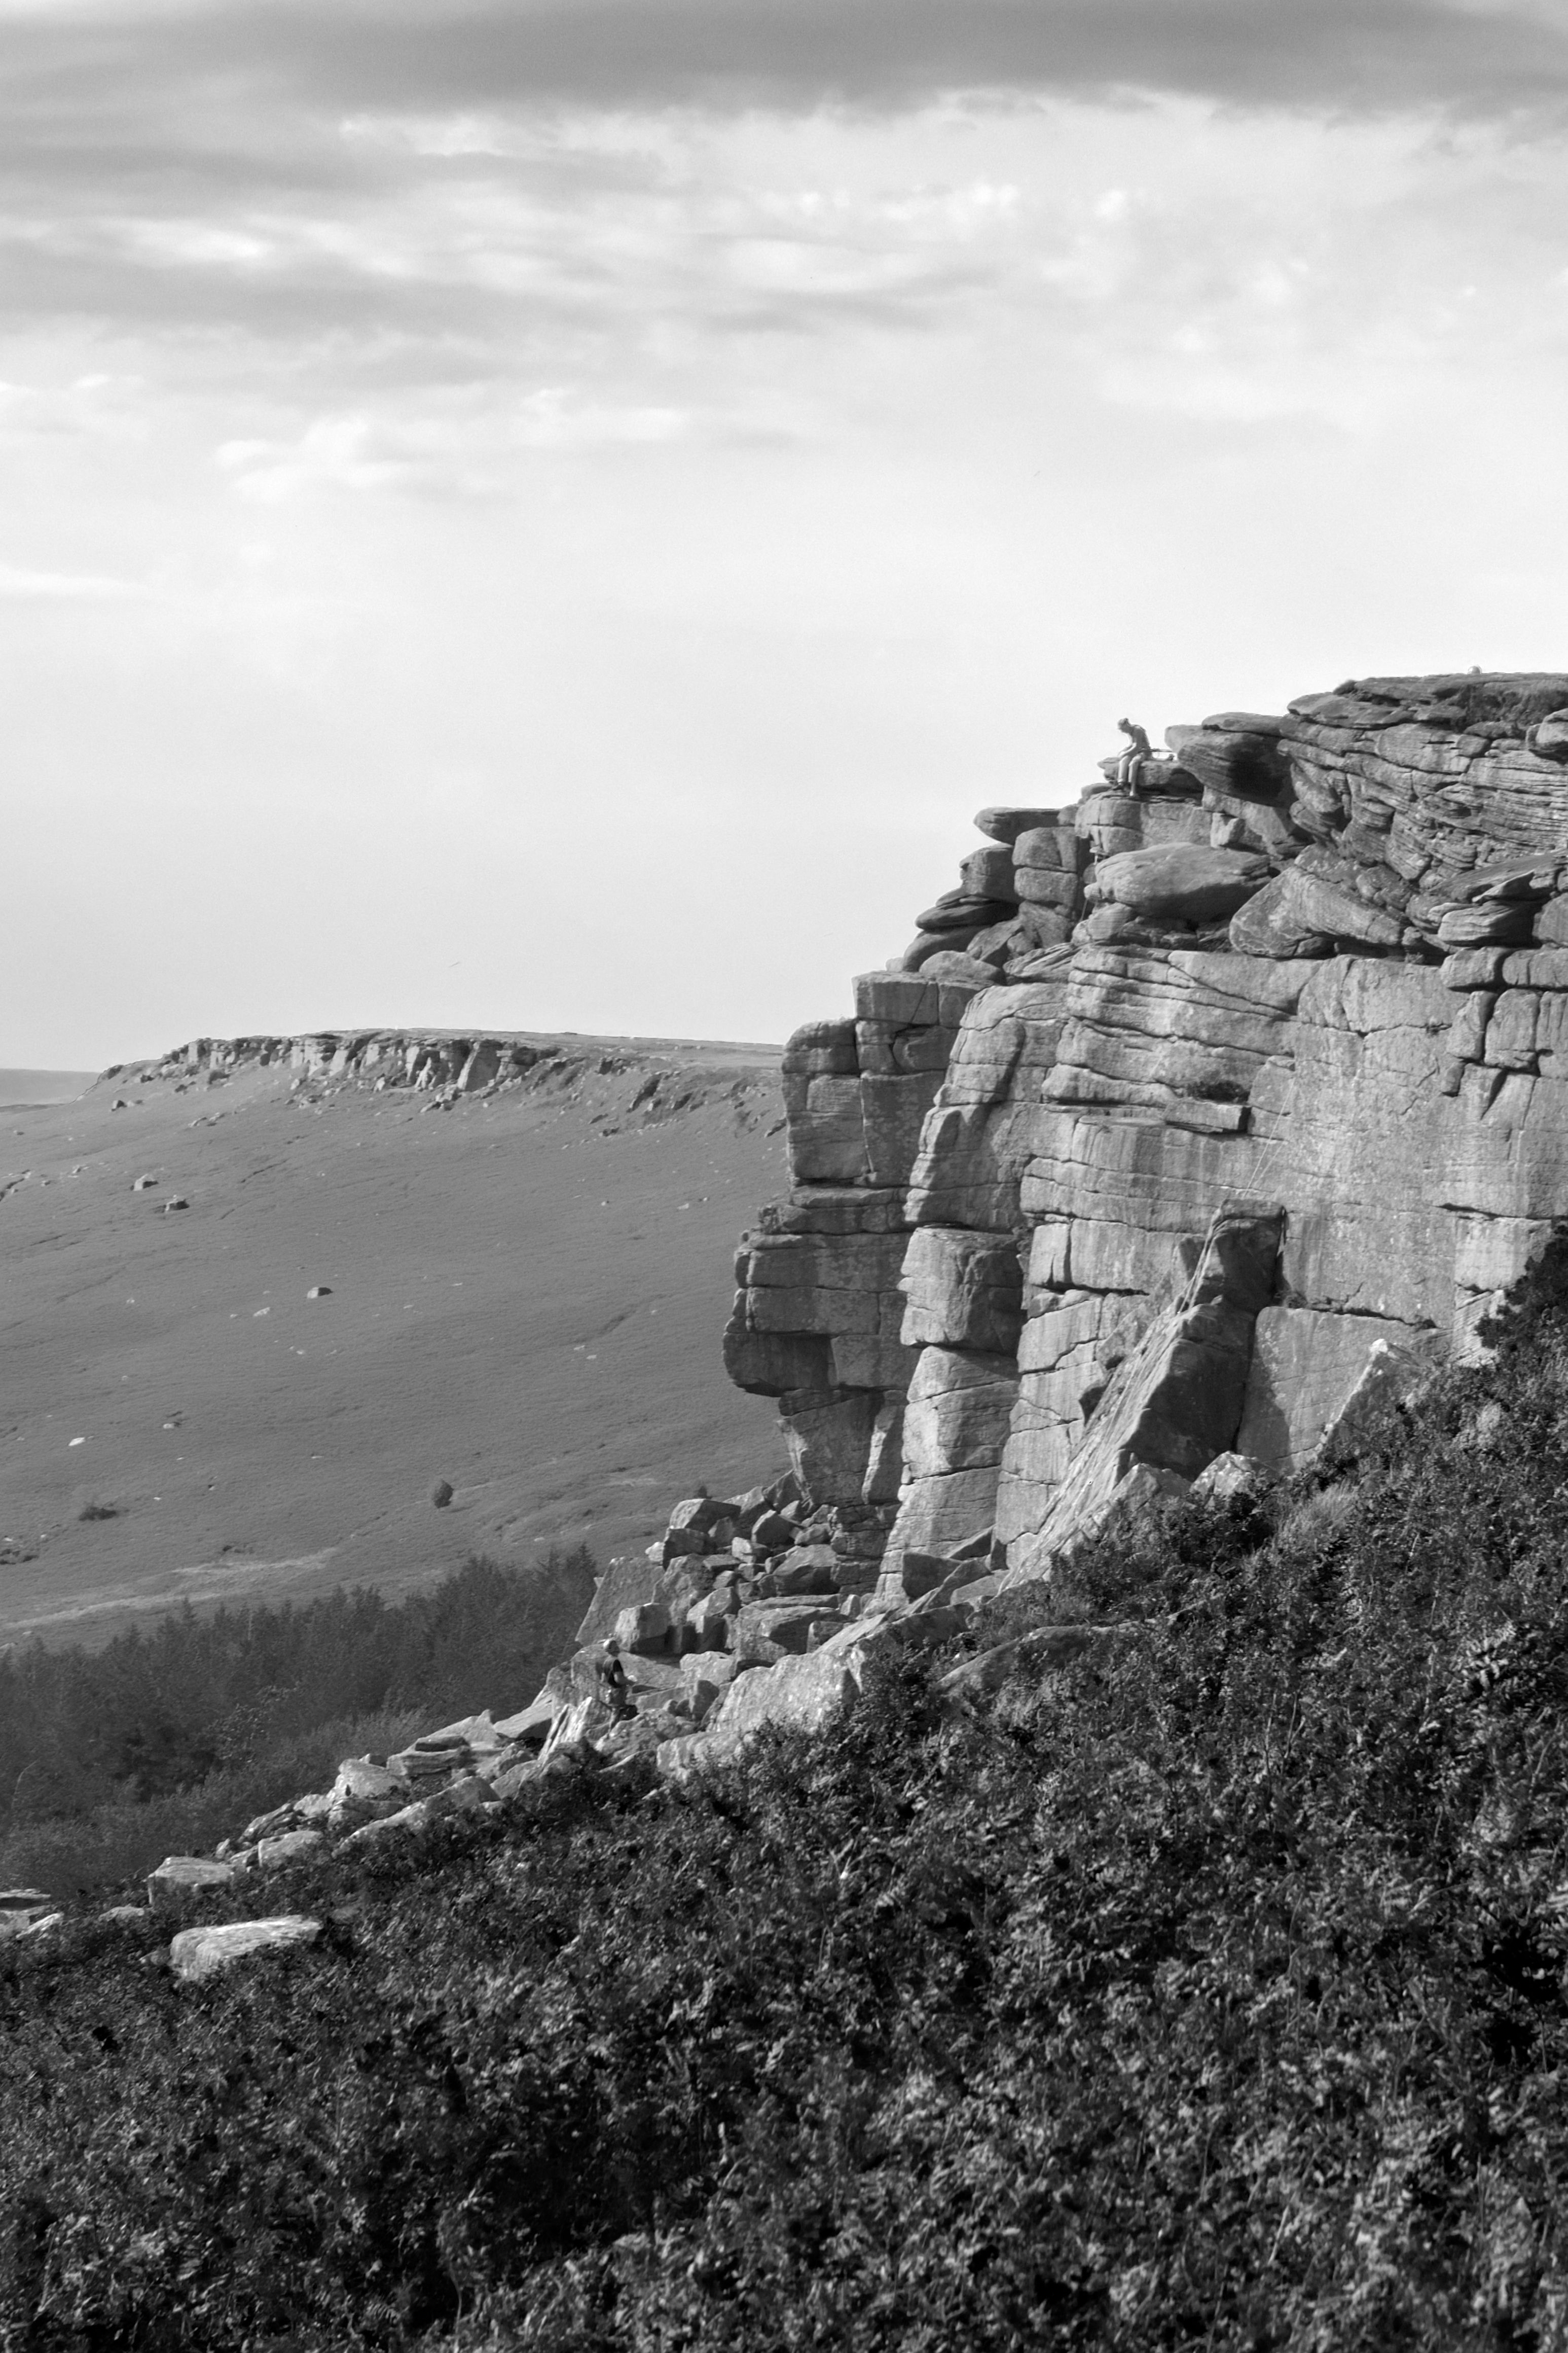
(1308,971)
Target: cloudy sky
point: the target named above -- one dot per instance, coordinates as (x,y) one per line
(554,513)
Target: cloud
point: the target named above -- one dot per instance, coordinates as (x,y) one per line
(120,87)
(1354,55)
(452,172)
(18,586)
(463,454)
(1348,54)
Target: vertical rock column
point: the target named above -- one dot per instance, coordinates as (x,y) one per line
(818,1311)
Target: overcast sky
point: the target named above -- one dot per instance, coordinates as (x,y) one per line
(556,515)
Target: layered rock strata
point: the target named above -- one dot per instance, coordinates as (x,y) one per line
(1186,1104)
(666,1075)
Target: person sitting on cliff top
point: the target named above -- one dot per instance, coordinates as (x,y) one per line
(1138,749)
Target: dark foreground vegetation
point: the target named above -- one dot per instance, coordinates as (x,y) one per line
(1208,1991)
(166,1742)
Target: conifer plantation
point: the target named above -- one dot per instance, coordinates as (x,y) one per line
(167,1740)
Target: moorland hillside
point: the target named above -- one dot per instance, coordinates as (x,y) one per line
(525,1274)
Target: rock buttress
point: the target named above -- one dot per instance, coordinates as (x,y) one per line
(1301,977)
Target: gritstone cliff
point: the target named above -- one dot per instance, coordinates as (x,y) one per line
(1195,1119)
(1181,1104)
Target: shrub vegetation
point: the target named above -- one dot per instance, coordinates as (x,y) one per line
(1207,1990)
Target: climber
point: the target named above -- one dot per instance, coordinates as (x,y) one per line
(1138,749)
(615,1684)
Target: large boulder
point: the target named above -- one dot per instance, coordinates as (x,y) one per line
(197,1952)
(185,1875)
(1180,882)
(1006,823)
(20,1907)
(958,911)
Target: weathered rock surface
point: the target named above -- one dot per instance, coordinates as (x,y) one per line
(1306,985)
(23,1908)
(197,1952)
(184,1873)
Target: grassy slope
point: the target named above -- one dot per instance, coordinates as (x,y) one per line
(1207,1992)
(526,1299)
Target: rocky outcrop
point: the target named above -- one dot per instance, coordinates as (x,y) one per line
(1249,1075)
(636,1081)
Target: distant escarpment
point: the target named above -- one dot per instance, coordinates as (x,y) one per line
(651,1077)
(1194,1110)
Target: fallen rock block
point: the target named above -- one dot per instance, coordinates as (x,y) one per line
(772,1532)
(360,1788)
(767,1631)
(471,1795)
(644,1629)
(197,1952)
(705,1677)
(289,1848)
(699,1512)
(805,1568)
(1232,1478)
(641,1736)
(426,1768)
(408,1817)
(530,1725)
(20,1906)
(265,1826)
(576,1730)
(475,1732)
(801,1693)
(918,1574)
(1044,1646)
(1392,1374)
(178,1875)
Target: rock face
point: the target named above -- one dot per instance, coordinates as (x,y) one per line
(1256,1093)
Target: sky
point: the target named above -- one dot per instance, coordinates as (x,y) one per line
(554,516)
